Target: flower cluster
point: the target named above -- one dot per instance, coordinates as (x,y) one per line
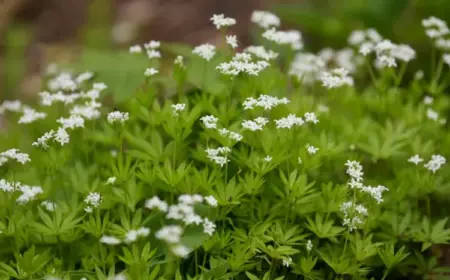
(336,78)
(205,51)
(256,124)
(241,63)
(261,52)
(292,38)
(93,200)
(266,102)
(117,116)
(307,67)
(14,154)
(221,21)
(265,19)
(219,155)
(434,164)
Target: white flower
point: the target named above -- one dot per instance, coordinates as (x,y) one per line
(251,125)
(180,251)
(265,19)
(153,54)
(170,234)
(428,100)
(232,41)
(28,193)
(132,235)
(117,116)
(432,115)
(266,102)
(238,65)
(31,115)
(299,160)
(336,78)
(135,49)
(403,52)
(311,149)
(12,106)
(111,180)
(268,159)
(84,77)
(222,21)
(293,38)
(14,154)
(419,75)
(49,205)
(152,45)
(287,262)
(88,111)
(178,108)
(190,199)
(435,27)
(435,163)
(261,52)
(366,48)
(99,86)
(211,200)
(385,61)
(5,185)
(156,202)
(288,122)
(446,58)
(209,121)
(179,61)
(307,67)
(208,227)
(311,117)
(92,200)
(71,122)
(416,159)
(375,192)
(110,240)
(235,136)
(309,245)
(205,51)
(42,141)
(150,72)
(61,136)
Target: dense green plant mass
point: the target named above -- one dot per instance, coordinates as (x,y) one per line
(232,165)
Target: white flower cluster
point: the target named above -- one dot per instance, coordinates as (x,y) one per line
(311,149)
(230,134)
(177,108)
(28,193)
(111,180)
(360,37)
(117,116)
(434,164)
(152,49)
(430,113)
(353,213)
(435,28)
(344,58)
(256,124)
(131,236)
(78,113)
(292,120)
(219,155)
(232,41)
(221,21)
(336,78)
(49,205)
(209,121)
(266,102)
(179,61)
(184,212)
(205,51)
(93,200)
(265,19)
(309,245)
(150,72)
(293,38)
(10,105)
(261,52)
(14,154)
(30,115)
(307,67)
(241,63)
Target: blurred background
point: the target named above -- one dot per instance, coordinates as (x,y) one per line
(35,33)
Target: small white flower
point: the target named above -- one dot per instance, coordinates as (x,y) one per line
(428,100)
(30,115)
(261,52)
(435,163)
(232,41)
(84,77)
(111,180)
(179,61)
(309,245)
(28,193)
(311,149)
(208,227)
(336,78)
(110,240)
(152,45)
(268,159)
(156,202)
(416,159)
(293,38)
(432,115)
(42,141)
(180,251)
(135,49)
(170,234)
(92,200)
(153,54)
(209,121)
(287,262)
(222,21)
(71,122)
(150,72)
(311,117)
(117,116)
(419,75)
(299,160)
(49,205)
(235,136)
(178,108)
(14,154)
(205,51)
(211,200)
(265,19)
